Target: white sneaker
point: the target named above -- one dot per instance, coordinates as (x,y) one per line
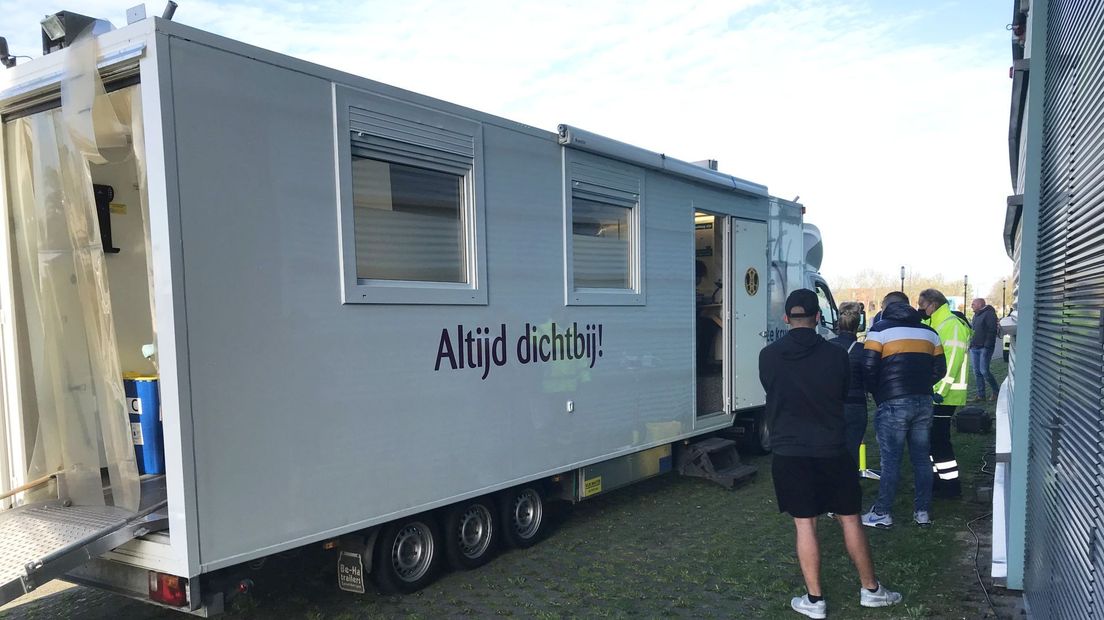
(881,598)
(802,605)
(921,518)
(873,519)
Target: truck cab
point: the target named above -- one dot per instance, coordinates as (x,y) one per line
(829,312)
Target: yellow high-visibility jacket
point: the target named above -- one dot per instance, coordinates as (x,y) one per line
(955,334)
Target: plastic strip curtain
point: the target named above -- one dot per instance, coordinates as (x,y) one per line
(63,284)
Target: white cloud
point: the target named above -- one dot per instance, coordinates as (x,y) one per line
(893,135)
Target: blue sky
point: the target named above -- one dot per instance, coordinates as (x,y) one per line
(889,119)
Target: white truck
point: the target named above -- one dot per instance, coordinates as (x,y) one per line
(377,320)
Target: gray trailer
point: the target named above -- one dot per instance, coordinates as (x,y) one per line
(377,320)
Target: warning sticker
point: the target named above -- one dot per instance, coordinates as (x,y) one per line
(136,434)
(117,208)
(592,486)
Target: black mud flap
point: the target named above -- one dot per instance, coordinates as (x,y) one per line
(350,572)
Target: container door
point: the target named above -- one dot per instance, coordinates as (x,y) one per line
(5,452)
(13,463)
(749,310)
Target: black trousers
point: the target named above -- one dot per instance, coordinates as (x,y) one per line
(945,482)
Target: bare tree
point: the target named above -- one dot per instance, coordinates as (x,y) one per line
(870,286)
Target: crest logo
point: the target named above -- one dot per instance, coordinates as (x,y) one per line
(751,281)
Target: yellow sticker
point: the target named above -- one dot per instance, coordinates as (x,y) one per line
(592,486)
(118,208)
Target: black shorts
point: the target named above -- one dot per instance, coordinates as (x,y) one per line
(807,486)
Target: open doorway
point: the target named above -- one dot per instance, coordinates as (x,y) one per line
(709,312)
(80,297)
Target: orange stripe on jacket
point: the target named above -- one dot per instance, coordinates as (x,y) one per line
(908,345)
(873,345)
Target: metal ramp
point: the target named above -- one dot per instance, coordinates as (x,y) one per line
(40,542)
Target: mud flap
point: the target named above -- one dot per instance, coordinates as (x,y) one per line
(350,572)
(354,559)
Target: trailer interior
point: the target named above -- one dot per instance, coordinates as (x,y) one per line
(709,312)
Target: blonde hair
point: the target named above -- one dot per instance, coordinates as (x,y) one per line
(850,313)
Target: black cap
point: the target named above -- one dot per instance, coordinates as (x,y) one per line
(806,300)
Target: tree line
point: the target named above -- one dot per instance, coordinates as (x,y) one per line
(870,286)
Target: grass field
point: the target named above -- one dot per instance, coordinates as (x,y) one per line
(667,547)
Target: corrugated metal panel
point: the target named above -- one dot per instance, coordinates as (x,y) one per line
(1065,509)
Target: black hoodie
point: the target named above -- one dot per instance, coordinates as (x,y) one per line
(806,381)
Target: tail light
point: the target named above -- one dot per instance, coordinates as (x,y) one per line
(168,589)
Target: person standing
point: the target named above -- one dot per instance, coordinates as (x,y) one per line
(806,382)
(950,392)
(982,345)
(902,359)
(854,406)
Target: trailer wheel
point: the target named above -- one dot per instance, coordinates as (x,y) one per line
(522,510)
(406,555)
(471,533)
(757,436)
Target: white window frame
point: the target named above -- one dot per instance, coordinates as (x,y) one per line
(416,122)
(594,178)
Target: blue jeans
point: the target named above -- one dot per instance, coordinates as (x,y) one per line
(897,421)
(979,359)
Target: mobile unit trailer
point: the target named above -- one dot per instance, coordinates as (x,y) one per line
(373,316)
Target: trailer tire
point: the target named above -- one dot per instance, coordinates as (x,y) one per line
(757,436)
(407,555)
(522,516)
(471,533)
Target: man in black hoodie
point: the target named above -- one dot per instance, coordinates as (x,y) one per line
(806,382)
(982,344)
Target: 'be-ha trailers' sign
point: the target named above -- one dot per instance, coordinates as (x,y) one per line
(479,349)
